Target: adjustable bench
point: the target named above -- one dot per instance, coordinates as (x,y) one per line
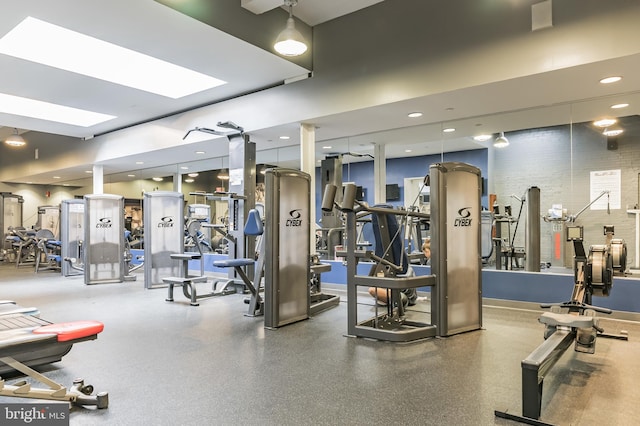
(27,341)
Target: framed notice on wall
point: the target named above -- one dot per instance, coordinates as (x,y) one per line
(605,180)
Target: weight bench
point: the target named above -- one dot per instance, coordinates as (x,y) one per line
(27,341)
(253,227)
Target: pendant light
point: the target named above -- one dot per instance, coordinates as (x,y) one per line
(501,141)
(15,140)
(290,42)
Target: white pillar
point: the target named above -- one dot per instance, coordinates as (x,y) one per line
(98,179)
(380,174)
(308,165)
(177,182)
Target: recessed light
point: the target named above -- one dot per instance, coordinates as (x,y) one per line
(415,114)
(618,106)
(612,79)
(189,180)
(449,130)
(139,162)
(48,44)
(284,138)
(88,171)
(65,184)
(612,132)
(184,168)
(482,138)
(407,150)
(131,175)
(200,152)
(327,147)
(605,122)
(157,179)
(192,174)
(56,177)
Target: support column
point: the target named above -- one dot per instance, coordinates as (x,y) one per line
(177,182)
(308,165)
(532,235)
(98,179)
(379,174)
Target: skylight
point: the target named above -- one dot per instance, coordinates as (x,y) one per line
(38,41)
(16,105)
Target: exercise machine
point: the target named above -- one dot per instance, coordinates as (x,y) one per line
(456,288)
(250,266)
(574,321)
(48,254)
(332,225)
(27,341)
(49,218)
(10,217)
(104,247)
(72,236)
(201,213)
(518,257)
(164,236)
(226,286)
(22,245)
(287,248)
(186,280)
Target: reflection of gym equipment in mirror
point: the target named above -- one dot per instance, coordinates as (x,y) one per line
(332,226)
(568,322)
(201,213)
(560,219)
(455,242)
(507,255)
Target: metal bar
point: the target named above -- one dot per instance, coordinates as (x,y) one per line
(536,366)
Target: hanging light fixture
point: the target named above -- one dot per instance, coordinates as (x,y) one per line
(501,141)
(15,139)
(290,42)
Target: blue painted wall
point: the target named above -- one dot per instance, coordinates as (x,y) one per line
(519,286)
(397,170)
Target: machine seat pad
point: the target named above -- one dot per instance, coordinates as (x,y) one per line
(67,331)
(253,226)
(555,319)
(230,263)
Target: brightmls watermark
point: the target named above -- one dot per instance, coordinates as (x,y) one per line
(34,414)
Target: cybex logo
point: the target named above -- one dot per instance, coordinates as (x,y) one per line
(166,222)
(463,218)
(104,222)
(294,218)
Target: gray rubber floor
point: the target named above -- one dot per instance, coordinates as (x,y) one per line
(172,364)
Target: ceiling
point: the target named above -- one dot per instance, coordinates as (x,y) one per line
(142,25)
